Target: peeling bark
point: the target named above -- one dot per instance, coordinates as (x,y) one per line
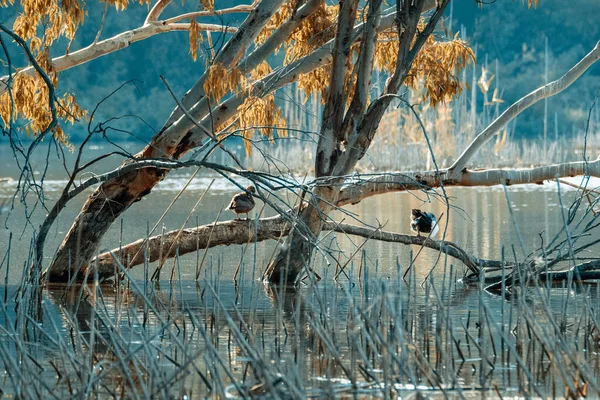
(116,195)
(242,232)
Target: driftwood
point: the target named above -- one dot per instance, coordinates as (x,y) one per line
(241,232)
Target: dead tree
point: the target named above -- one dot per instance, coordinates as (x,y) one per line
(346,54)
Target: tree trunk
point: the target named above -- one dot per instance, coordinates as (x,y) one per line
(294,254)
(345,133)
(115,196)
(99,212)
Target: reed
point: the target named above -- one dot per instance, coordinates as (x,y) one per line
(364,336)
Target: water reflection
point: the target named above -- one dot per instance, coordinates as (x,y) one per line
(368,333)
(379,337)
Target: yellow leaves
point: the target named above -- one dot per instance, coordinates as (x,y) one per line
(315,82)
(221,81)
(434,66)
(57,19)
(386,51)
(25,27)
(282,15)
(533,3)
(6,3)
(195,37)
(260,71)
(314,31)
(208,4)
(30,102)
(261,114)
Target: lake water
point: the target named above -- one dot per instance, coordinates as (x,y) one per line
(351,337)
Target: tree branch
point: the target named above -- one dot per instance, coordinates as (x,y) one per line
(156,11)
(270,83)
(407,20)
(115,43)
(521,105)
(242,8)
(241,232)
(277,38)
(228,56)
(395,182)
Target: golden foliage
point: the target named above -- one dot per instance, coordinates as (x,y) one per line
(195,37)
(208,4)
(434,66)
(314,31)
(282,15)
(533,3)
(121,5)
(6,3)
(260,71)
(315,82)
(30,102)
(57,19)
(221,81)
(261,113)
(28,99)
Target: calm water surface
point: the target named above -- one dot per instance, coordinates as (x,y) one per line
(284,325)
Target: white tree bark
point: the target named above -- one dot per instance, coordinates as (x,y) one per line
(150,28)
(242,232)
(521,105)
(402,181)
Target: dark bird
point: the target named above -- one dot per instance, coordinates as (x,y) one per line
(243,203)
(423,222)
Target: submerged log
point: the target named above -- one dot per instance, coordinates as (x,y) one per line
(241,232)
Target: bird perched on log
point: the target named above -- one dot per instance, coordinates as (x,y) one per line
(423,222)
(243,203)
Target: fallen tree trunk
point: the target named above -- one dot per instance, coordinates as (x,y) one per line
(396,182)
(242,232)
(361,188)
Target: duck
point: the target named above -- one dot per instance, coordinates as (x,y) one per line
(424,222)
(243,203)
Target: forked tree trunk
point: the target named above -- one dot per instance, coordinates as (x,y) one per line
(294,255)
(115,196)
(347,132)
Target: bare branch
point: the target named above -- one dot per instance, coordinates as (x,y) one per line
(521,105)
(156,11)
(485,177)
(242,8)
(115,43)
(241,232)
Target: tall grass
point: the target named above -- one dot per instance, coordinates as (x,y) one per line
(364,336)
